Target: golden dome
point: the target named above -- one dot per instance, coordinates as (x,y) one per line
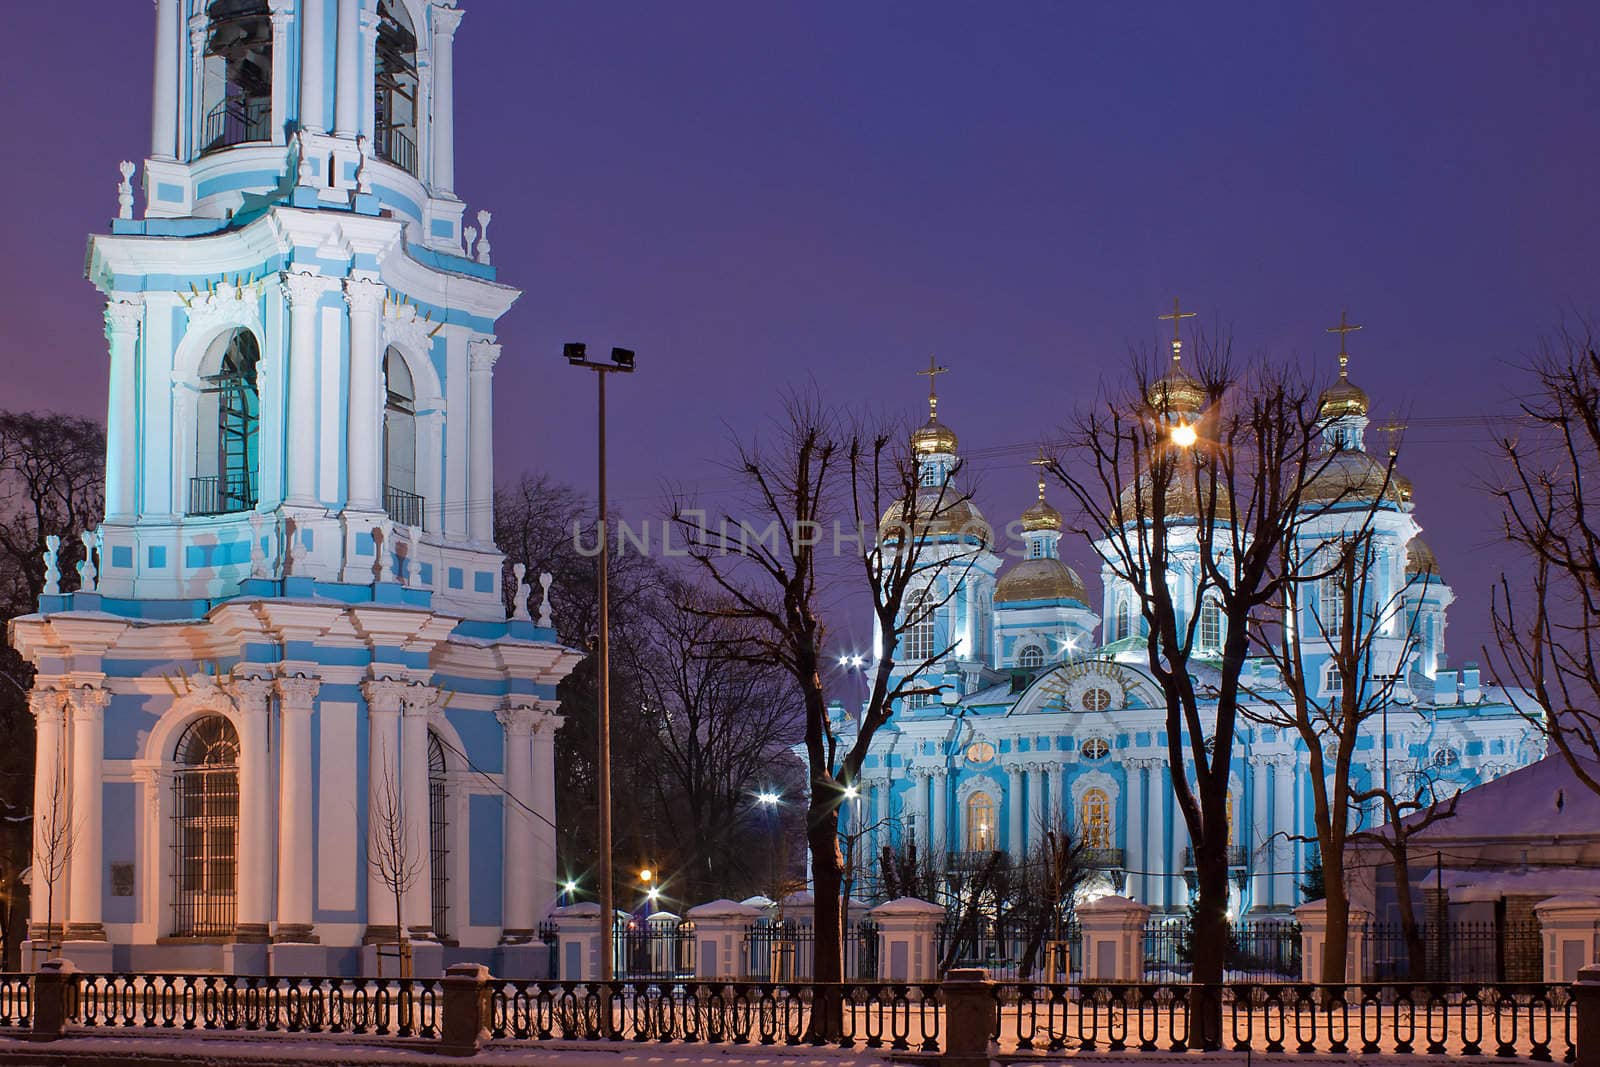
(1355,477)
(1179,393)
(1181,500)
(1040,516)
(957,517)
(1040,579)
(933,436)
(1420,560)
(1343,398)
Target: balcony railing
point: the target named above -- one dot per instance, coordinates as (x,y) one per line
(237,120)
(393,145)
(1102,858)
(403,507)
(1237,857)
(222,494)
(974,859)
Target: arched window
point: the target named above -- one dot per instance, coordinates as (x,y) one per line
(236,86)
(227,430)
(980,823)
(918,639)
(1210,625)
(400,497)
(1094,818)
(205,829)
(1031,656)
(1096,749)
(1124,620)
(395,81)
(438,840)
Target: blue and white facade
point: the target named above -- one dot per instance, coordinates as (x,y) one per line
(1041,724)
(296,620)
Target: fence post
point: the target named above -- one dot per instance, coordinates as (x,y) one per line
(969,1015)
(578,942)
(1113,939)
(719,939)
(1567,926)
(1586,996)
(466,1009)
(1313,918)
(906,929)
(54,985)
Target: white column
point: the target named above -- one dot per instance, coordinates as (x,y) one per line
(917,812)
(87,868)
(481,354)
(365,440)
(347,106)
(939,802)
(302,291)
(544,802)
(122,443)
(164,90)
(1260,845)
(1134,832)
(1283,872)
(1180,841)
(519,917)
(282,15)
(418,903)
(883,807)
(367,20)
(384,797)
(1014,840)
(251,695)
(52,812)
(1038,789)
(199,28)
(313,67)
(445,21)
(296,833)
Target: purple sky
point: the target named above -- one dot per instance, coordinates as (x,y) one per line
(755,194)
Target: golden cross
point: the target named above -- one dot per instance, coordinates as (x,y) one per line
(933,372)
(1177,318)
(1392,430)
(1345,327)
(1042,462)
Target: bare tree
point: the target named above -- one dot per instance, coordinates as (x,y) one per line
(1546,629)
(389,853)
(1043,906)
(55,833)
(813,476)
(1188,494)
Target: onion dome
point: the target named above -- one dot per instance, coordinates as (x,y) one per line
(957,517)
(1420,560)
(933,436)
(1357,477)
(1343,398)
(1178,393)
(1040,579)
(1180,499)
(1041,516)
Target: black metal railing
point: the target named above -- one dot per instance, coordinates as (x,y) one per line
(1453,952)
(393,145)
(402,1007)
(1259,950)
(237,120)
(1529,1021)
(1010,949)
(1238,856)
(221,494)
(663,948)
(786,951)
(403,507)
(1101,859)
(550,938)
(976,859)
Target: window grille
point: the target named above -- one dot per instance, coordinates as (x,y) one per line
(1124,627)
(205,831)
(1096,748)
(1032,656)
(1210,625)
(919,630)
(1330,607)
(438,841)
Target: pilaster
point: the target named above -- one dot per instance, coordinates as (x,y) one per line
(123,317)
(442,134)
(313,69)
(387,862)
(519,919)
(364,295)
(52,815)
(417,703)
(251,697)
(482,354)
(303,292)
(86,865)
(282,14)
(296,834)
(164,88)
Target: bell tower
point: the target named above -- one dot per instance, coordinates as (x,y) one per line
(295,594)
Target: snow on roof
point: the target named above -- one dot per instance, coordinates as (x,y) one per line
(1465,886)
(1543,799)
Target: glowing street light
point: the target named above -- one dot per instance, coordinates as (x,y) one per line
(645,875)
(851,793)
(1184,435)
(569,887)
(768,798)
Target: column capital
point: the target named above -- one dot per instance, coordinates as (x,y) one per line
(47,705)
(302,288)
(364,294)
(482,354)
(123,317)
(88,702)
(251,692)
(297,692)
(446,19)
(418,699)
(282,12)
(384,695)
(546,721)
(518,719)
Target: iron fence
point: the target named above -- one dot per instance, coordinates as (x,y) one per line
(222,494)
(1259,950)
(1010,950)
(645,948)
(403,507)
(1453,952)
(786,951)
(399,1007)
(237,120)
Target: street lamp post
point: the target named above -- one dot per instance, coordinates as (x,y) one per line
(768,799)
(621,362)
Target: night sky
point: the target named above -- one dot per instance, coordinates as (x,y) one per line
(755,195)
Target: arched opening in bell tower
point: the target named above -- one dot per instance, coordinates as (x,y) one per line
(395,82)
(400,497)
(236,93)
(228,424)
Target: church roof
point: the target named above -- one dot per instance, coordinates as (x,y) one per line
(933,436)
(1421,560)
(1349,474)
(1343,398)
(957,516)
(1040,579)
(1180,498)
(1542,799)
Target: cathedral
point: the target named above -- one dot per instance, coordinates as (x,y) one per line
(1045,715)
(284,713)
